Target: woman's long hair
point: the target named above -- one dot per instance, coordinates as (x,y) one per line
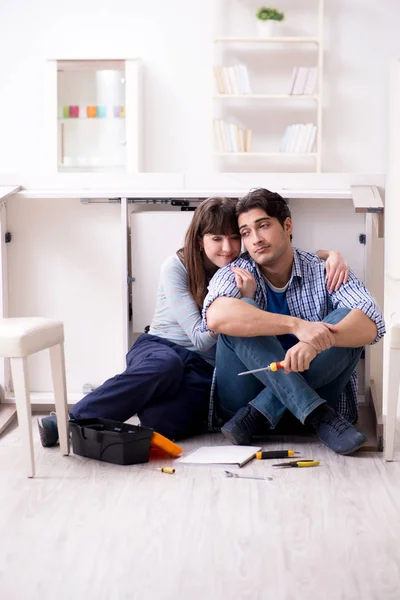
(214,215)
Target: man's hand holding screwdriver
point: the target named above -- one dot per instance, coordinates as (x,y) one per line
(313,339)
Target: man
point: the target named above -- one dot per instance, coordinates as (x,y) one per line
(319,334)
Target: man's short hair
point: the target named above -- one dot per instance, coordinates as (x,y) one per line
(271,202)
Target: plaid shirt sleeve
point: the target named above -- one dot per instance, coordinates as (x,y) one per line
(222,284)
(354,294)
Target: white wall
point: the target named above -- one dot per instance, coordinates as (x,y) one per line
(64,262)
(362,36)
(174,40)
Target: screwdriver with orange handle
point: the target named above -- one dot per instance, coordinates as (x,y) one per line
(274,366)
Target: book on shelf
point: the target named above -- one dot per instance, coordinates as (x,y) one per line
(300,81)
(285,139)
(231,138)
(298,138)
(233,83)
(240,134)
(303,81)
(311,139)
(245,79)
(247,145)
(226,86)
(219,80)
(293,80)
(233,79)
(218,135)
(311,82)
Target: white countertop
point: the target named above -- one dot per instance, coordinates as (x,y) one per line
(8,190)
(176,193)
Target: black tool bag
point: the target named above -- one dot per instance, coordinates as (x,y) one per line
(111,441)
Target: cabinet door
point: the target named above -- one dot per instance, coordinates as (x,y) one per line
(94,121)
(133,118)
(154,237)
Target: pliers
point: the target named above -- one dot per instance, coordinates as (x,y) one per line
(305,462)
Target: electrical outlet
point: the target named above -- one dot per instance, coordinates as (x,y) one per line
(87,388)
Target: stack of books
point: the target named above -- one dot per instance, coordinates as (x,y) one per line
(304,81)
(233,80)
(231,138)
(298,138)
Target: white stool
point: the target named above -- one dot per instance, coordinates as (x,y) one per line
(392,390)
(19,338)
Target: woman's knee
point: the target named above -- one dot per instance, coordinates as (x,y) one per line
(167,362)
(162,361)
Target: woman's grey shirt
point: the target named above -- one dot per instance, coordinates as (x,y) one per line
(177,316)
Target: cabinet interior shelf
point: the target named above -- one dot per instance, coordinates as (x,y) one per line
(66,119)
(269,40)
(312,97)
(89,166)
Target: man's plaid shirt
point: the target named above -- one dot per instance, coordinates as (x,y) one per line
(308,299)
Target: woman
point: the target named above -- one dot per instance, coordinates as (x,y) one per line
(169,370)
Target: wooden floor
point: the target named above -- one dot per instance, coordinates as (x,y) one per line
(88,530)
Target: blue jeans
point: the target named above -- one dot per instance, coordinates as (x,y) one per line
(273,393)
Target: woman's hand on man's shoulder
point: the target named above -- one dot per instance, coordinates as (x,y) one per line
(245,282)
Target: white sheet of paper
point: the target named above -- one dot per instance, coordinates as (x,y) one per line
(220,455)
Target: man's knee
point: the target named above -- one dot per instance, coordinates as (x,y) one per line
(254,344)
(250,301)
(235,340)
(337,315)
(318,373)
(230,341)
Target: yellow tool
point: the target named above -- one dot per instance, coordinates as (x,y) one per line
(168,470)
(306,462)
(274,366)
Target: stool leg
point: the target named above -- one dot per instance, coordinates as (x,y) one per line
(19,369)
(60,395)
(392,401)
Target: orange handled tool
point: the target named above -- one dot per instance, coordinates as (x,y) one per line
(162,445)
(274,366)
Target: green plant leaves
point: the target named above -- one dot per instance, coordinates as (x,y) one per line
(265,14)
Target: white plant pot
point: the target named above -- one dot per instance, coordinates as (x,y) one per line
(269,28)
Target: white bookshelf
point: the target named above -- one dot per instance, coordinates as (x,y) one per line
(281,155)
(278,107)
(290,97)
(269,40)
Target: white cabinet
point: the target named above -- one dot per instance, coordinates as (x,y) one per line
(268,100)
(146,228)
(94,122)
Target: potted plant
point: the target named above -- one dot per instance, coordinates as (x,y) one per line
(267,19)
